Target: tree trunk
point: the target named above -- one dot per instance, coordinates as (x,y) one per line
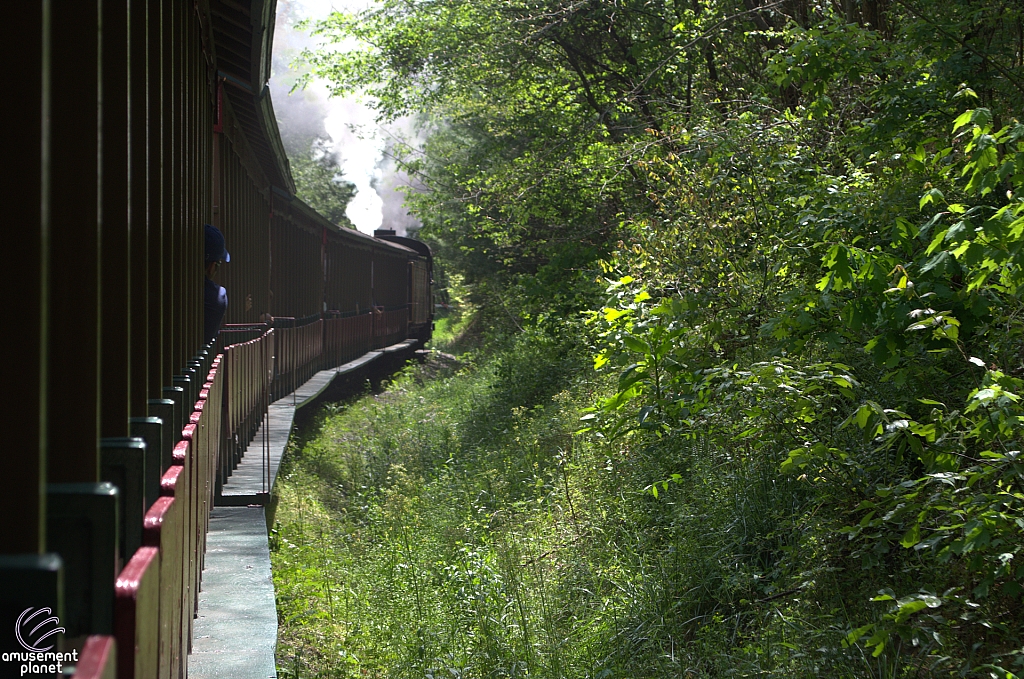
(798,10)
(851,12)
(874,15)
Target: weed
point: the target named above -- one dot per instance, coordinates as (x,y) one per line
(460,527)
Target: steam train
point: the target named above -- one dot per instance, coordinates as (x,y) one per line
(131,124)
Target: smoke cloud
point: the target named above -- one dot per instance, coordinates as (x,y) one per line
(359,144)
(393,184)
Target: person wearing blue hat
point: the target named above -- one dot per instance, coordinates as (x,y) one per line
(215,297)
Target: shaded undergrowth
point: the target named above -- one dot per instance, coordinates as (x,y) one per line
(458,527)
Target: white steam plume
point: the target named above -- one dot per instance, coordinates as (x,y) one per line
(356,140)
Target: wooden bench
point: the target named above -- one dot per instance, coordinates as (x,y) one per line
(29,581)
(123,463)
(177,395)
(184,453)
(137,616)
(150,430)
(163,408)
(98,659)
(163,528)
(82,526)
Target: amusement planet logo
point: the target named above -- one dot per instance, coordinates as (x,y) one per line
(29,639)
(33,629)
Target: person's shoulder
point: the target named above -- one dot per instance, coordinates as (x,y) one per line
(215,295)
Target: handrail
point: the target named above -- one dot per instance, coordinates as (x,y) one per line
(293,322)
(250,371)
(257,363)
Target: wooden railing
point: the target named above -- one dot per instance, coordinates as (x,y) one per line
(299,351)
(347,338)
(250,369)
(156,593)
(389,327)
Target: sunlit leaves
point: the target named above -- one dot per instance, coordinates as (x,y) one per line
(810,254)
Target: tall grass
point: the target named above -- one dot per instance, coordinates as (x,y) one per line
(457,527)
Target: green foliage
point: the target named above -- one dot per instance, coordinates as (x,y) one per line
(319,182)
(460,527)
(941,482)
(397,549)
(800,457)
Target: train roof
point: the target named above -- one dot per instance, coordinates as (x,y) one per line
(243,36)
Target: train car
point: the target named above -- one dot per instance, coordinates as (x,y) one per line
(421,281)
(138,123)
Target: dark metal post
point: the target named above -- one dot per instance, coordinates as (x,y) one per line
(73,205)
(138,205)
(25,342)
(115,337)
(158,374)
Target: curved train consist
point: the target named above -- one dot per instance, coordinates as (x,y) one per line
(136,122)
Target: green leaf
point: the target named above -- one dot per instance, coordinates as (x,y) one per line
(795,462)
(908,609)
(938,262)
(981,117)
(857,634)
(962,120)
(631,376)
(611,314)
(635,345)
(931,196)
(878,641)
(912,536)
(645,412)
(862,415)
